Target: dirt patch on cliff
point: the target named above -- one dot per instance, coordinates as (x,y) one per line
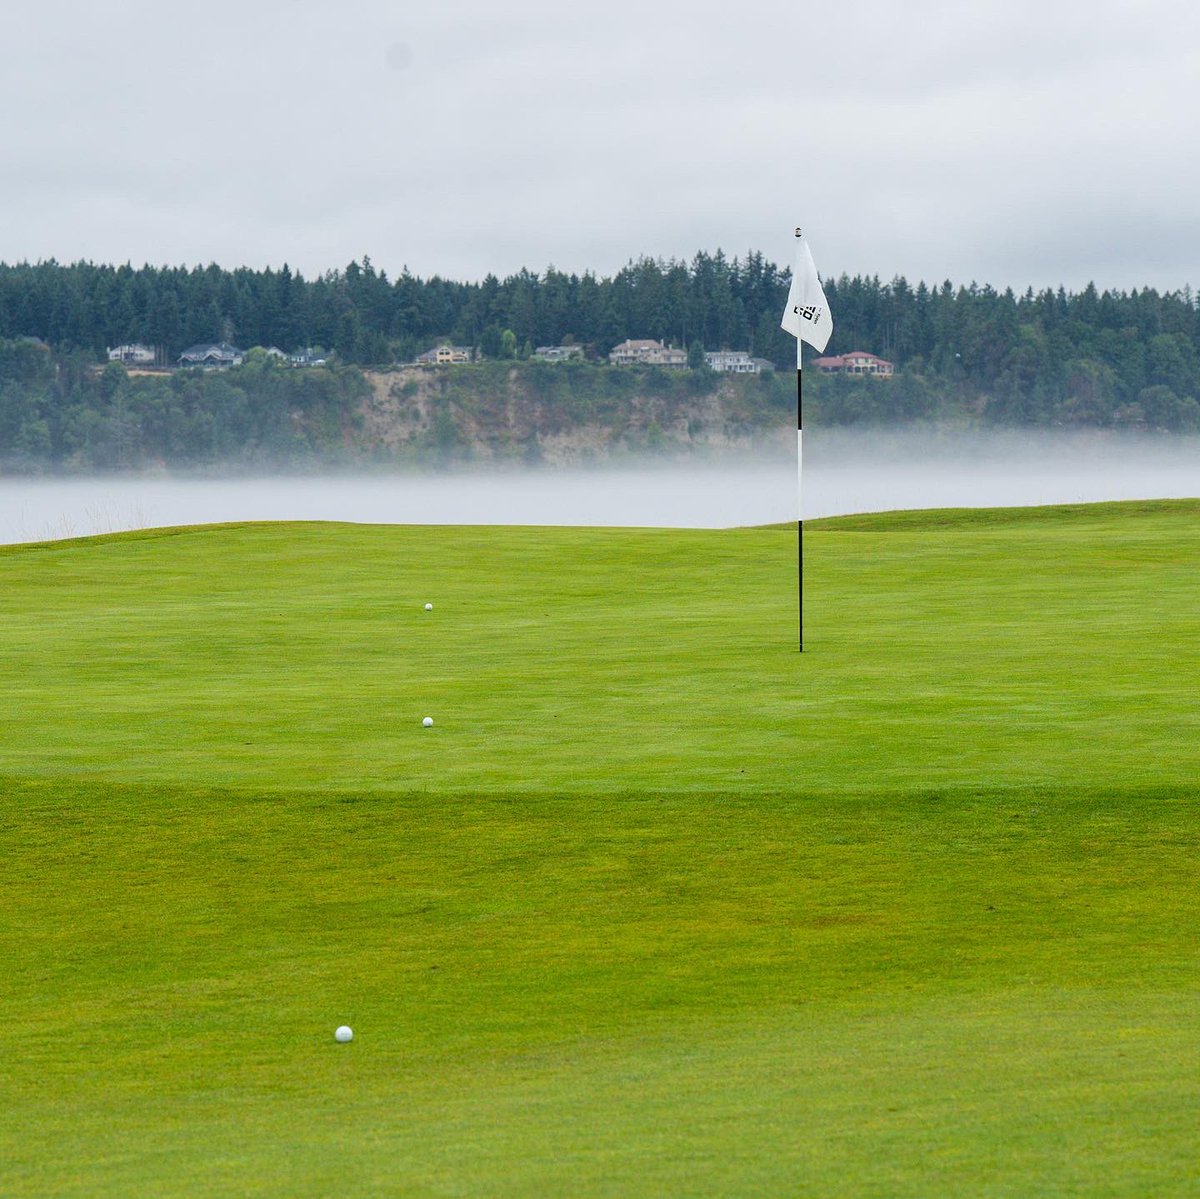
(504,413)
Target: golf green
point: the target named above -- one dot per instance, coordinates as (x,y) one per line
(657,906)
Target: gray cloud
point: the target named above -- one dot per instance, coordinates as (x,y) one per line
(1012,143)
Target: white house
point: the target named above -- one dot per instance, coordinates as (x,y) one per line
(134,354)
(733,362)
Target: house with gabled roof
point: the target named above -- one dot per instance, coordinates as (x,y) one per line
(446,355)
(857,362)
(212,355)
(644,352)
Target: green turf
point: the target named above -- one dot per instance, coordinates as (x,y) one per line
(659,906)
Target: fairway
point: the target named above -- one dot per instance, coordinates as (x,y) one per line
(658,906)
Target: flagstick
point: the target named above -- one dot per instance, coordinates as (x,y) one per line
(800,493)
(806,318)
(800,487)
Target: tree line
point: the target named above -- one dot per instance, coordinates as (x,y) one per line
(364,317)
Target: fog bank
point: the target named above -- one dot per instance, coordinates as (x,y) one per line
(844,472)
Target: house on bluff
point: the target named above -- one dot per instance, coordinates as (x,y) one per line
(558,353)
(857,362)
(646,353)
(134,354)
(212,355)
(733,362)
(446,355)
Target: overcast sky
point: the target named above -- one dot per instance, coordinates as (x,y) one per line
(1005,141)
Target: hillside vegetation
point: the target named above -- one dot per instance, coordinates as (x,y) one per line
(657,906)
(964,354)
(264,416)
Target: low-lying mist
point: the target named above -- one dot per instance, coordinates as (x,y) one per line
(844,472)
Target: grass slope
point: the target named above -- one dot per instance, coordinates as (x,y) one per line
(657,906)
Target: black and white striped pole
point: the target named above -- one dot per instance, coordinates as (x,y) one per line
(800,484)
(806,317)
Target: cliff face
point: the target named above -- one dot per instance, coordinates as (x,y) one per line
(560,416)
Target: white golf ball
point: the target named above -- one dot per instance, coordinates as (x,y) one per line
(343,1033)
(428,607)
(428,722)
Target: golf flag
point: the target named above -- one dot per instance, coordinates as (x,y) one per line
(807,313)
(807,319)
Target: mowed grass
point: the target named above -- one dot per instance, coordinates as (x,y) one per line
(659,905)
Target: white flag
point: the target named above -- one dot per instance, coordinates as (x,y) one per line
(807,313)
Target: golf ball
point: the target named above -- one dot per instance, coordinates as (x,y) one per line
(428,607)
(428,722)
(343,1033)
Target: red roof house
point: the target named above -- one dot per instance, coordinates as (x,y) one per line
(857,362)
